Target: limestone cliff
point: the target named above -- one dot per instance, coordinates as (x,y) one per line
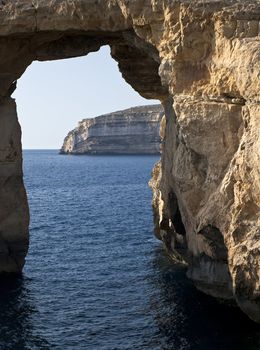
(202,60)
(131,131)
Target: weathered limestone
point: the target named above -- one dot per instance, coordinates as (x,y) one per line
(14,218)
(131,131)
(201,59)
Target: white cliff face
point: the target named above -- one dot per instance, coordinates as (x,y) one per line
(132,131)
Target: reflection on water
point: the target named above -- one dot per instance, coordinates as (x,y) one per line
(188,319)
(17,310)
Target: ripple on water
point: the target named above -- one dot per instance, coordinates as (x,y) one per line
(95,277)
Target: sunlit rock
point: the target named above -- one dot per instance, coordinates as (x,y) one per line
(131,131)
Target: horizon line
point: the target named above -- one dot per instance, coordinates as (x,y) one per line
(40,149)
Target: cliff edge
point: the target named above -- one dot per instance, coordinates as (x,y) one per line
(131,131)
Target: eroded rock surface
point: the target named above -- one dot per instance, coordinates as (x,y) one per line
(202,60)
(131,131)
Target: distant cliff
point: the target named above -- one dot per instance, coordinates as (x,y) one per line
(131,131)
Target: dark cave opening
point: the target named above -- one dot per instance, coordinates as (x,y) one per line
(176,215)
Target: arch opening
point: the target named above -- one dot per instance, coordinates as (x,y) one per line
(138,63)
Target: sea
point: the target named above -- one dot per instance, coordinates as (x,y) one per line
(95,277)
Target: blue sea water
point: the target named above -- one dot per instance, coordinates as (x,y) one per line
(96,278)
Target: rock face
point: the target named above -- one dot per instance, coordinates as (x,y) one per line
(132,131)
(202,60)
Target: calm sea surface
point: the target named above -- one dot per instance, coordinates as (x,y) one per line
(95,277)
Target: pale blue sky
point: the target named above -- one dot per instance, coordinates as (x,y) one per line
(53,96)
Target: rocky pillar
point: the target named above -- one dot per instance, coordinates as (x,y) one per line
(14,212)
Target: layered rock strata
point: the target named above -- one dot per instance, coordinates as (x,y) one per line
(131,131)
(202,60)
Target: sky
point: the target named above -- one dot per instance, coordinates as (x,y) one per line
(53,96)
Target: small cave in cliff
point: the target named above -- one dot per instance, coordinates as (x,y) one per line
(214,242)
(176,215)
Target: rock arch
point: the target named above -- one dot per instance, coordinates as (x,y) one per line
(202,61)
